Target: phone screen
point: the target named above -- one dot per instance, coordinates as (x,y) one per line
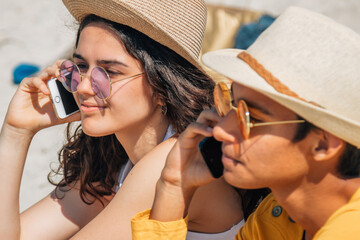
(67,98)
(210,149)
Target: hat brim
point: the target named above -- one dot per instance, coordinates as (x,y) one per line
(227,63)
(122,13)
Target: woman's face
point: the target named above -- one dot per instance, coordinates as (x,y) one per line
(130,104)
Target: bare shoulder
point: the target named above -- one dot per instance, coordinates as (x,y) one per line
(144,175)
(136,194)
(139,186)
(215,207)
(148,169)
(157,156)
(162,149)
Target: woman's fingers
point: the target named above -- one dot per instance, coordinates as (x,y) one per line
(59,62)
(58,65)
(39,82)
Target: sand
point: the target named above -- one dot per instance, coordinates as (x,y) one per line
(38,32)
(33,32)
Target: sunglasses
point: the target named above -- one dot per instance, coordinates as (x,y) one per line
(71,77)
(223,104)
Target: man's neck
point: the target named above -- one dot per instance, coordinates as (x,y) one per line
(311,204)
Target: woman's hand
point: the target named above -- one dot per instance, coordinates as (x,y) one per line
(30,109)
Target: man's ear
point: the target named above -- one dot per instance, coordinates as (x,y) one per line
(326,146)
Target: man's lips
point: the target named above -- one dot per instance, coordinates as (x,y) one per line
(228,154)
(230,160)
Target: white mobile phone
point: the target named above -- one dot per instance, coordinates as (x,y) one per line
(63,100)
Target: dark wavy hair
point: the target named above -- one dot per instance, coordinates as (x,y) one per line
(95,162)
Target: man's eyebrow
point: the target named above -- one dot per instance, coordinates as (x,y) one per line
(102,62)
(250,104)
(255,106)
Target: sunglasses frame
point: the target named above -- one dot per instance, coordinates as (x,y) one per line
(243,119)
(84,75)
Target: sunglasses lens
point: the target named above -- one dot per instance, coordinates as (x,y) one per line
(222,99)
(70,76)
(100,83)
(243,117)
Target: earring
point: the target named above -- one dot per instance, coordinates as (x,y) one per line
(163,109)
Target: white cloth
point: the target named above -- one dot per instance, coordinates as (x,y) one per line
(227,235)
(126,168)
(124,171)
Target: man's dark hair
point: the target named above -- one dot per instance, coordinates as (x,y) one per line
(349,163)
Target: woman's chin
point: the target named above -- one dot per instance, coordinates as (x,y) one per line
(94,131)
(91,133)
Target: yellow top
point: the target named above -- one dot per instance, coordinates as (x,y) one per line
(344,223)
(144,228)
(269,221)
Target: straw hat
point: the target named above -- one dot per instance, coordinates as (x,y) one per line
(306,62)
(177,24)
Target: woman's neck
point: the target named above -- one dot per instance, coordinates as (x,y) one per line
(140,139)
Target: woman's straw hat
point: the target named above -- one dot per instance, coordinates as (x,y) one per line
(306,62)
(177,24)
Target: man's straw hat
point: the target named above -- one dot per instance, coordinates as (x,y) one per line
(306,62)
(177,24)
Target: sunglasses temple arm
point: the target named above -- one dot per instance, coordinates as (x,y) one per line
(134,76)
(275,123)
(65,74)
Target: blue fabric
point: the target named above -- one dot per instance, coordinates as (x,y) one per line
(24,70)
(248,33)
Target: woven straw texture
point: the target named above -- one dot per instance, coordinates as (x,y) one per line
(177,24)
(317,62)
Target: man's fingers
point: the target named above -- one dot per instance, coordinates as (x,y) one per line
(209,117)
(195,132)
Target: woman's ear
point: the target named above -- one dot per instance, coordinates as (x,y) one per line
(326,146)
(162,104)
(158,100)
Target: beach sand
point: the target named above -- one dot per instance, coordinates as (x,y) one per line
(41,31)
(36,32)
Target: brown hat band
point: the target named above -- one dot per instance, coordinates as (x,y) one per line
(269,78)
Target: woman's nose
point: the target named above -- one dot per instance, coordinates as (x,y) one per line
(84,86)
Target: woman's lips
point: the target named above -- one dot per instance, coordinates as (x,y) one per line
(88,107)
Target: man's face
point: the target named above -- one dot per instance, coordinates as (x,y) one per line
(268,158)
